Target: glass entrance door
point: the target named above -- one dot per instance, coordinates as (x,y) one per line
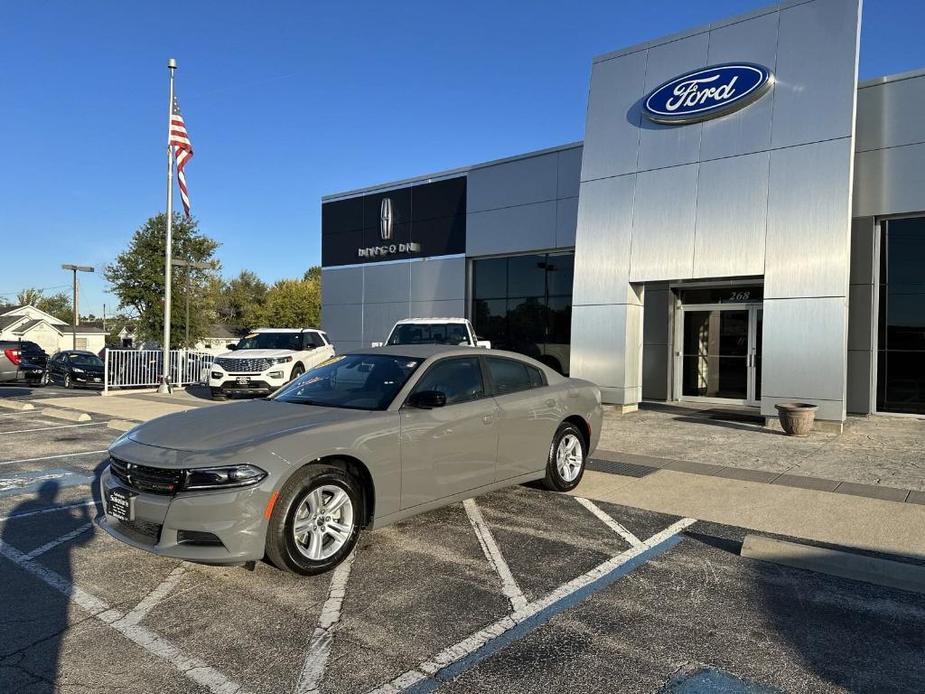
(720,355)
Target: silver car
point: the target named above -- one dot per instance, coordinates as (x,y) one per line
(360,441)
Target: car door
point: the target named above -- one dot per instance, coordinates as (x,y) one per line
(529,416)
(451,449)
(54,368)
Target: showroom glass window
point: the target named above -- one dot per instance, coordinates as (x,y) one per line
(523,303)
(901,330)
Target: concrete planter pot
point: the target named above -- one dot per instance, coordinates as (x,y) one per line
(796,418)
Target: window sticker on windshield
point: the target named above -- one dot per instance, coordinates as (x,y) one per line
(411,364)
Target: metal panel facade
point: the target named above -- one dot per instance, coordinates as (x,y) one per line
(764,191)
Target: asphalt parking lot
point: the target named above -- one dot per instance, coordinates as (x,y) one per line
(516,591)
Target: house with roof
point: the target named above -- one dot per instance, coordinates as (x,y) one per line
(30,324)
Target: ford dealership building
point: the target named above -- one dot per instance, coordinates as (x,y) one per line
(743,222)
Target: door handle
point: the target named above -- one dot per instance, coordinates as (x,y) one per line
(488,418)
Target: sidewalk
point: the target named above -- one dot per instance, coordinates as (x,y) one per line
(133,406)
(886,451)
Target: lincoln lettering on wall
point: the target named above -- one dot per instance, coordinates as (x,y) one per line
(418,221)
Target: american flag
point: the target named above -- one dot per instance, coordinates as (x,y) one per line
(182,150)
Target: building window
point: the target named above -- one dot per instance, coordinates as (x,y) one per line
(901,329)
(524,304)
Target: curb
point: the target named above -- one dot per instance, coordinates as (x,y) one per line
(70,415)
(11,405)
(843,563)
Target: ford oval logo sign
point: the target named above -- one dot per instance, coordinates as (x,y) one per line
(707,93)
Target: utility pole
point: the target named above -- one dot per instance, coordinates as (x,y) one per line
(164,387)
(75,269)
(189,265)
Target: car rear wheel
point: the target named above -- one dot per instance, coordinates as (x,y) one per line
(566,464)
(316,520)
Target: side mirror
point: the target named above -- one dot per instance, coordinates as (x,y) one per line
(231,347)
(427,399)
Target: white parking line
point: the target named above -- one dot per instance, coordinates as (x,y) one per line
(610,522)
(483,637)
(319,648)
(493,554)
(50,457)
(141,610)
(39,551)
(196,670)
(62,426)
(48,510)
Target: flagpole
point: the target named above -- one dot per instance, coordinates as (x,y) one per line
(164,386)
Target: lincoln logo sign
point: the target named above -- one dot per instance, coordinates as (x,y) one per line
(707,93)
(385,219)
(386,226)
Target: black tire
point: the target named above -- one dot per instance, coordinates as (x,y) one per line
(217,394)
(67,381)
(554,480)
(297,371)
(281,546)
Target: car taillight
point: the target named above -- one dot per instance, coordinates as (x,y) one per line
(12,355)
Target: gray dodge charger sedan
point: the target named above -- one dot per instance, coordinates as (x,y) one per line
(360,441)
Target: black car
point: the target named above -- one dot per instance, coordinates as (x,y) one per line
(75,367)
(22,360)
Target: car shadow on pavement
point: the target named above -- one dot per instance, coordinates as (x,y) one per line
(35,616)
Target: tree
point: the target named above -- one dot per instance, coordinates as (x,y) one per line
(291,304)
(137,278)
(238,301)
(58,305)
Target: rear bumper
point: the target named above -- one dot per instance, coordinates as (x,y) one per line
(234,517)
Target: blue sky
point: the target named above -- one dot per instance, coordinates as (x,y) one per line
(288,101)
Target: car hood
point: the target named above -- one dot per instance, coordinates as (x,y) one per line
(255,353)
(236,425)
(87,369)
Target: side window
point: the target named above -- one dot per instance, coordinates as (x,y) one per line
(536,377)
(509,375)
(459,379)
(313,340)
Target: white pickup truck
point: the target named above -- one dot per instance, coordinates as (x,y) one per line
(433,331)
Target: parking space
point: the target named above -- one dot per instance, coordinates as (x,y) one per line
(516,591)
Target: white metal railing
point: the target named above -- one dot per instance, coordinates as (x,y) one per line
(139,368)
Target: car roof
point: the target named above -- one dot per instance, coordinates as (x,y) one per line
(438,320)
(286,330)
(428,351)
(77,351)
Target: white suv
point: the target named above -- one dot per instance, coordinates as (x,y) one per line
(266,359)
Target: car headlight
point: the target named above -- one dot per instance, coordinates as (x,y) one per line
(216,374)
(77,370)
(223,477)
(281,360)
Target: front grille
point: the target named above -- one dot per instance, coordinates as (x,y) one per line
(142,531)
(244,365)
(153,480)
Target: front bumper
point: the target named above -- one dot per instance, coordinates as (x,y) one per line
(234,517)
(87,380)
(250,383)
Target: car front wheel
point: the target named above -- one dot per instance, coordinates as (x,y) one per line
(297,371)
(566,464)
(316,521)
(67,381)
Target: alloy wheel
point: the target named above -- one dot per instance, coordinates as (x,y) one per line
(323,523)
(569,457)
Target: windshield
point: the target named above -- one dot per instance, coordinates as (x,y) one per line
(84,360)
(353,381)
(271,341)
(430,334)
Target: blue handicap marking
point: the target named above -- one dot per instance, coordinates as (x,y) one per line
(712,681)
(28,482)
